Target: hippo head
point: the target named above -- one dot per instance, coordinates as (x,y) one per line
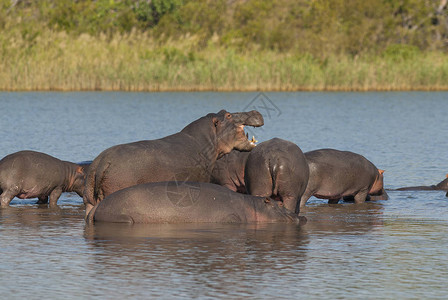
(377,187)
(79,179)
(220,133)
(443,185)
(230,130)
(268,210)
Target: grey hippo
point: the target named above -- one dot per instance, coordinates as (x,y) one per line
(338,174)
(187,202)
(30,174)
(441,186)
(187,155)
(275,168)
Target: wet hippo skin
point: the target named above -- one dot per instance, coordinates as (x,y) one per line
(189,202)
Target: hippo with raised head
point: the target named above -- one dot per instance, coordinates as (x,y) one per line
(336,174)
(189,202)
(187,155)
(441,186)
(30,174)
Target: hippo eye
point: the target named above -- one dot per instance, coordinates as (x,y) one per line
(228,116)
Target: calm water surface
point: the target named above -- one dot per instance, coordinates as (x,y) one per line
(385,249)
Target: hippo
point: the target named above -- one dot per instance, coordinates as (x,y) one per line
(336,174)
(30,174)
(441,186)
(85,164)
(229,171)
(277,168)
(188,202)
(187,155)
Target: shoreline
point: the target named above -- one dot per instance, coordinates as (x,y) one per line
(241,90)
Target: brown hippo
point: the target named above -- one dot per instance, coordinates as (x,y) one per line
(187,155)
(189,202)
(30,174)
(275,168)
(441,186)
(336,174)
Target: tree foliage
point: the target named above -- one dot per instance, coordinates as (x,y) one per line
(353,27)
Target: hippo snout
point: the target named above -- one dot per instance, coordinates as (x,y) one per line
(251,118)
(302,220)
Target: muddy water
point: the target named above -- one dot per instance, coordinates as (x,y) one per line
(384,249)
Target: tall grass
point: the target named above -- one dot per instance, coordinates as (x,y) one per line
(135,62)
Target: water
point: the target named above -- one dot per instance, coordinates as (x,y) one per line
(384,249)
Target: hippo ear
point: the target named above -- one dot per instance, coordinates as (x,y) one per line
(446,175)
(80,170)
(381,172)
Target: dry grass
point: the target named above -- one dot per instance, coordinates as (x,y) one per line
(56,61)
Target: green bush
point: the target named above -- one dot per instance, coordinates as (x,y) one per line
(400,52)
(322,28)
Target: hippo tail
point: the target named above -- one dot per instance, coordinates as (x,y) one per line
(90,215)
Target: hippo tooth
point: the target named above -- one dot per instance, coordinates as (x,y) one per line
(253,140)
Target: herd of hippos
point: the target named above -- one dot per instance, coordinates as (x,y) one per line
(208,172)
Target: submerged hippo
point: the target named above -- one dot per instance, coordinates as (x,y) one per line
(189,202)
(187,155)
(275,168)
(441,186)
(336,174)
(30,174)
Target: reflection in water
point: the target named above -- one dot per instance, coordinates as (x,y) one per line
(384,247)
(339,218)
(37,216)
(230,258)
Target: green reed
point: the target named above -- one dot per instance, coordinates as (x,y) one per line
(136,62)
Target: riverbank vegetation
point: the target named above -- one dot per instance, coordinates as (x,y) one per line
(223,45)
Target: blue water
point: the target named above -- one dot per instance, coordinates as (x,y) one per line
(384,249)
